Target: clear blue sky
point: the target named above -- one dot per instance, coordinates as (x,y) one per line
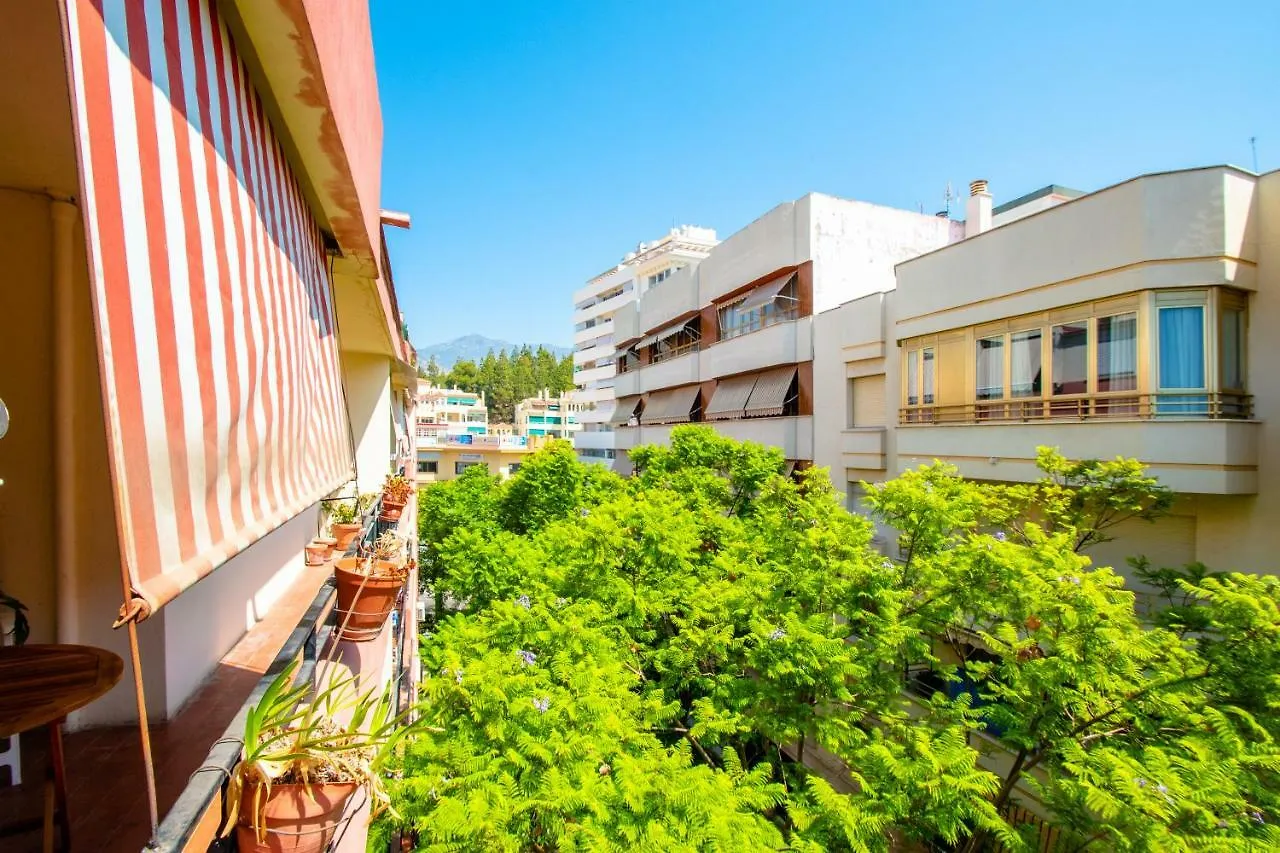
(536,142)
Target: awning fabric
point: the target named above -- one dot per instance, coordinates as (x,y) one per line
(730,397)
(770,393)
(765,293)
(625,408)
(670,331)
(212,300)
(671,406)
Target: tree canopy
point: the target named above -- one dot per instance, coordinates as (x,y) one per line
(505,378)
(711,655)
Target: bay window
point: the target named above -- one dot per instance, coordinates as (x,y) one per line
(1169,353)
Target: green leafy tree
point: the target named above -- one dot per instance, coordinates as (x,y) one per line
(658,662)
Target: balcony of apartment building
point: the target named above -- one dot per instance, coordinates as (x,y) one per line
(601,438)
(587,375)
(590,330)
(600,348)
(1120,322)
(772,407)
(1158,375)
(606,303)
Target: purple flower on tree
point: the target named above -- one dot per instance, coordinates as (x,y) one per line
(528,657)
(1001,536)
(542,704)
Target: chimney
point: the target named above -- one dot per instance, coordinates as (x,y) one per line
(978,210)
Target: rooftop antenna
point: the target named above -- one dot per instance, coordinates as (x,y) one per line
(946,198)
(1253,144)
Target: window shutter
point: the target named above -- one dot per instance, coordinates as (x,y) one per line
(868,401)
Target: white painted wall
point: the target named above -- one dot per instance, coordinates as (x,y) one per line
(203,623)
(855,246)
(368,384)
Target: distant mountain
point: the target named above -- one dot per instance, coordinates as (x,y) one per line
(475,347)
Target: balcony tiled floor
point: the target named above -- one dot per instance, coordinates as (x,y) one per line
(105,787)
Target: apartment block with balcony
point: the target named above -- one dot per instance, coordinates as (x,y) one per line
(595,307)
(547,416)
(449,411)
(190,199)
(1136,320)
(731,341)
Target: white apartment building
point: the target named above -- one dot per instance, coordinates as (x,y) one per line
(549,416)
(1138,321)
(448,411)
(595,354)
(730,341)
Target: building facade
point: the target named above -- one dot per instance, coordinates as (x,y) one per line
(552,417)
(595,357)
(449,411)
(731,342)
(1135,321)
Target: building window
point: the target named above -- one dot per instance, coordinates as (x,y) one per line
(919,382)
(428,467)
(990,374)
(1177,353)
(459,467)
(738,320)
(1181,351)
(513,468)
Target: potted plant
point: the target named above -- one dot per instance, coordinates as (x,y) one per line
(317,552)
(395,494)
(305,756)
(344,523)
(368,587)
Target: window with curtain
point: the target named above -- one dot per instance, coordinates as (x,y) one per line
(926,375)
(990,376)
(1117,354)
(1024,368)
(913,377)
(1181,358)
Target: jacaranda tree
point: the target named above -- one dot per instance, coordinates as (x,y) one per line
(709,655)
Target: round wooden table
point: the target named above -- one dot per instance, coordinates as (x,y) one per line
(39,686)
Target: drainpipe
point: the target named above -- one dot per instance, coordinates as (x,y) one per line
(63,214)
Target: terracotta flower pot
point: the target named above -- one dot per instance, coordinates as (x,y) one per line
(296,818)
(365,609)
(329,544)
(345,534)
(317,553)
(391,510)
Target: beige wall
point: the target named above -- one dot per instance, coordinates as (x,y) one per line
(368,386)
(499,461)
(1170,230)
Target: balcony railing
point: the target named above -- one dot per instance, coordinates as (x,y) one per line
(200,805)
(1087,407)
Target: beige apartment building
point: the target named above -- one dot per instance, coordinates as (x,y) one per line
(1139,320)
(548,416)
(730,341)
(596,356)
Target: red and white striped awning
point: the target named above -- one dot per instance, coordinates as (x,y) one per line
(213,301)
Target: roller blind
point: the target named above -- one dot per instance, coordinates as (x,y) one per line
(212,299)
(868,400)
